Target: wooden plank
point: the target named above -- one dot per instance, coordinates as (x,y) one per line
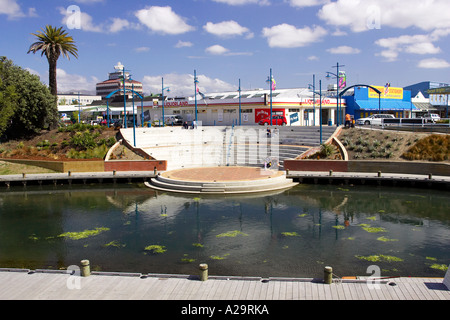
(50,286)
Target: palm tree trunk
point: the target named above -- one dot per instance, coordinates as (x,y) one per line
(52,62)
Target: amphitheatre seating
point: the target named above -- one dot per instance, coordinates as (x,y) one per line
(224,145)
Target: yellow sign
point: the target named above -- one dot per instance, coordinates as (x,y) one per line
(389,93)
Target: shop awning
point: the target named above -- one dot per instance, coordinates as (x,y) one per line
(385,105)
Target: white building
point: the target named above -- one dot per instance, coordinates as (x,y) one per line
(300,106)
(75,98)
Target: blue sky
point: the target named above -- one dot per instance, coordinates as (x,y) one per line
(401,42)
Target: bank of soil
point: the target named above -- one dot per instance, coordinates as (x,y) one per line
(52,146)
(373,144)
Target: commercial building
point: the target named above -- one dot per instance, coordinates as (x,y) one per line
(115,83)
(75,98)
(300,106)
(439,98)
(363,101)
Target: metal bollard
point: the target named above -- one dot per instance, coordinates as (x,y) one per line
(203,272)
(331,173)
(379,173)
(328,275)
(85,268)
(430,176)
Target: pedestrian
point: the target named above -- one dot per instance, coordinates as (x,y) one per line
(348,120)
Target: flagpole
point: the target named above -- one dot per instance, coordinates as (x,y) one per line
(195,82)
(240,102)
(270,84)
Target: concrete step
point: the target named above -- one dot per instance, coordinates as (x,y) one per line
(233,187)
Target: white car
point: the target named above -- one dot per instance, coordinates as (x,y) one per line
(375,119)
(432,117)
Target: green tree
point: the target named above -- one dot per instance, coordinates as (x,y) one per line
(30,107)
(8,103)
(54,42)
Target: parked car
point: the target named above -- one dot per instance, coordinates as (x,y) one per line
(375,119)
(119,123)
(432,117)
(276,121)
(176,120)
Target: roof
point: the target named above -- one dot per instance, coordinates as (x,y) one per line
(385,105)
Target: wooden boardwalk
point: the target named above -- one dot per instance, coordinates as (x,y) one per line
(58,285)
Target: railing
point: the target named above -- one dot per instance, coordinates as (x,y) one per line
(413,124)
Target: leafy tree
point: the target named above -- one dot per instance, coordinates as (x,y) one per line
(8,102)
(27,106)
(54,42)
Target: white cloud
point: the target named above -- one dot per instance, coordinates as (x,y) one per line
(163,20)
(344,50)
(216,50)
(288,36)
(73,82)
(219,50)
(244,2)
(183,84)
(307,3)
(183,44)
(142,49)
(119,24)
(86,24)
(227,29)
(433,63)
(414,44)
(358,15)
(13,10)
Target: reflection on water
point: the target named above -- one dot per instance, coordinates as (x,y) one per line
(406,232)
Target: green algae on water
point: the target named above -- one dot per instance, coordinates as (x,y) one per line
(231,234)
(290,234)
(442,267)
(385,239)
(198,245)
(83,234)
(154,248)
(370,229)
(379,258)
(115,244)
(339,227)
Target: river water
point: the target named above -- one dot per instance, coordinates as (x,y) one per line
(296,233)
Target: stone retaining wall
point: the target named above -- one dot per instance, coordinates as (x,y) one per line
(442,169)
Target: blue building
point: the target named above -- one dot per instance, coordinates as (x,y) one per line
(424,87)
(364,101)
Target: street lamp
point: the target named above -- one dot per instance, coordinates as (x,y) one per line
(122,68)
(196,89)
(134,118)
(337,90)
(240,101)
(320,94)
(168,90)
(313,86)
(270,82)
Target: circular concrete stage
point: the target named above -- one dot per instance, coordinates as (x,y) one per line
(221,180)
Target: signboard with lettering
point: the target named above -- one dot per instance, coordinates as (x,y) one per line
(261,114)
(294,117)
(393,93)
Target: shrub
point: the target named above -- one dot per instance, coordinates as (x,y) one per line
(432,148)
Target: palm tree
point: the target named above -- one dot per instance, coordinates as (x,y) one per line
(53,42)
